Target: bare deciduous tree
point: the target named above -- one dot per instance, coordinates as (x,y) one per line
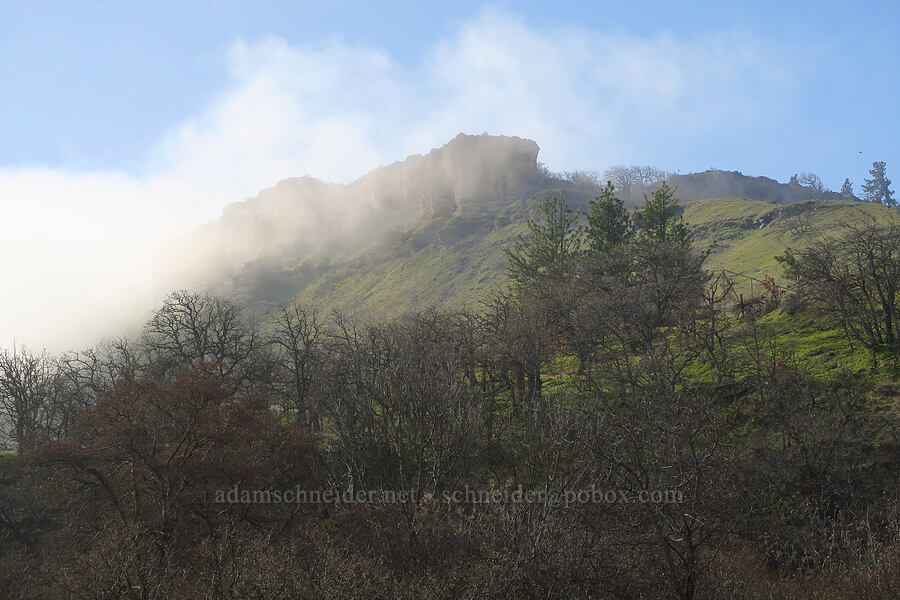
(812,181)
(625,179)
(28,391)
(298,336)
(856,279)
(192,329)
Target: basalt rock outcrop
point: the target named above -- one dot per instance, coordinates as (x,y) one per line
(469,175)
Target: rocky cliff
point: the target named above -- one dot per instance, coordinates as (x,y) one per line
(469,175)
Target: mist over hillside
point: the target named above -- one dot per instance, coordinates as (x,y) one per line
(428,230)
(470,175)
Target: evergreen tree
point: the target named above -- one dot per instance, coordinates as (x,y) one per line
(847,188)
(878,189)
(795,180)
(550,250)
(609,224)
(660,220)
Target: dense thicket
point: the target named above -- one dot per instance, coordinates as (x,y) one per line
(612,365)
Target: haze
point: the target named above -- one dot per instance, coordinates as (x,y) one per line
(78,227)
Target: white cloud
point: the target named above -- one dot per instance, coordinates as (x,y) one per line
(80,242)
(592,98)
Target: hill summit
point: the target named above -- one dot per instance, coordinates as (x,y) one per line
(715,183)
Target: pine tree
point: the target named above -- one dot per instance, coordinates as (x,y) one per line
(659,219)
(554,243)
(847,188)
(878,189)
(609,223)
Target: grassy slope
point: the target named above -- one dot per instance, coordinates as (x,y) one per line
(443,261)
(456,261)
(746,235)
(455,268)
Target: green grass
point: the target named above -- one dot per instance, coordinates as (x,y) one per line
(746,235)
(448,262)
(452,262)
(825,350)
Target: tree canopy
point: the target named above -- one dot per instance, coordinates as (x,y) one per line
(878,187)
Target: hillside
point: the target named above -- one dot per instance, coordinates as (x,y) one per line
(448,260)
(746,235)
(455,260)
(431,230)
(302,217)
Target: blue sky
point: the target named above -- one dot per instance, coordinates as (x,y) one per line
(124,123)
(95,85)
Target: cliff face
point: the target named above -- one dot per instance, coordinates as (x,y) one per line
(469,175)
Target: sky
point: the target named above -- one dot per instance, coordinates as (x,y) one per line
(124,124)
